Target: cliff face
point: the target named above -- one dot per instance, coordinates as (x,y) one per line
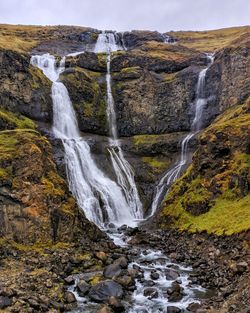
(35,204)
(153,85)
(23,87)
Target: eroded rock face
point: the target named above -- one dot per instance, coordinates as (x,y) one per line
(35,202)
(87,92)
(23,87)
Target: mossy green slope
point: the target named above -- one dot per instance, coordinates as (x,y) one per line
(213,195)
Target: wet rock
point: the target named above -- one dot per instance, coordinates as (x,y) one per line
(154,275)
(122,262)
(122,228)
(105,309)
(173,309)
(5,302)
(82,288)
(116,305)
(112,270)
(126,281)
(69,280)
(151,293)
(193,307)
(171,274)
(70,297)
(104,290)
(131,231)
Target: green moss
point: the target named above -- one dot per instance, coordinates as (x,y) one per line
(146,139)
(218,200)
(132,69)
(53,184)
(88,110)
(13,120)
(157,164)
(169,77)
(38,79)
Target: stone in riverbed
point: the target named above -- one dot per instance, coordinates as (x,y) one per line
(171,274)
(112,270)
(70,297)
(116,305)
(193,307)
(82,288)
(173,309)
(104,290)
(69,280)
(154,275)
(150,293)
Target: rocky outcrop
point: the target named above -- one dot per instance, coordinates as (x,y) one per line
(227,81)
(35,202)
(23,87)
(87,92)
(163,100)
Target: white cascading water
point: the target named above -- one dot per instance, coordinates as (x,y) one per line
(174,173)
(106,43)
(101,198)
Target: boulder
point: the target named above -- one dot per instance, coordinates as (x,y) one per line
(82,288)
(104,290)
(171,274)
(151,293)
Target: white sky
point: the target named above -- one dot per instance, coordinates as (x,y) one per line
(161,15)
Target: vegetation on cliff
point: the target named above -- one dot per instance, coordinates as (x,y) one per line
(213,195)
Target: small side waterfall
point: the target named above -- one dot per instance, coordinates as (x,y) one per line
(102,199)
(174,173)
(106,42)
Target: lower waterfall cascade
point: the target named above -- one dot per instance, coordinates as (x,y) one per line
(174,173)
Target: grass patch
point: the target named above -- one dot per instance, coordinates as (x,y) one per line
(210,40)
(13,120)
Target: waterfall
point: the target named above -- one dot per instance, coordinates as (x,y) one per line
(101,199)
(174,173)
(106,42)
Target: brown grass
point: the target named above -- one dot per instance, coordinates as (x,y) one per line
(212,40)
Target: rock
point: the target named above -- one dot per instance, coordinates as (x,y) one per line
(70,297)
(122,262)
(5,302)
(105,309)
(193,307)
(101,256)
(125,280)
(116,305)
(173,309)
(69,280)
(104,290)
(171,274)
(241,267)
(112,270)
(154,275)
(82,288)
(150,293)
(122,228)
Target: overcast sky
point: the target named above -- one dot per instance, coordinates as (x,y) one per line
(161,15)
